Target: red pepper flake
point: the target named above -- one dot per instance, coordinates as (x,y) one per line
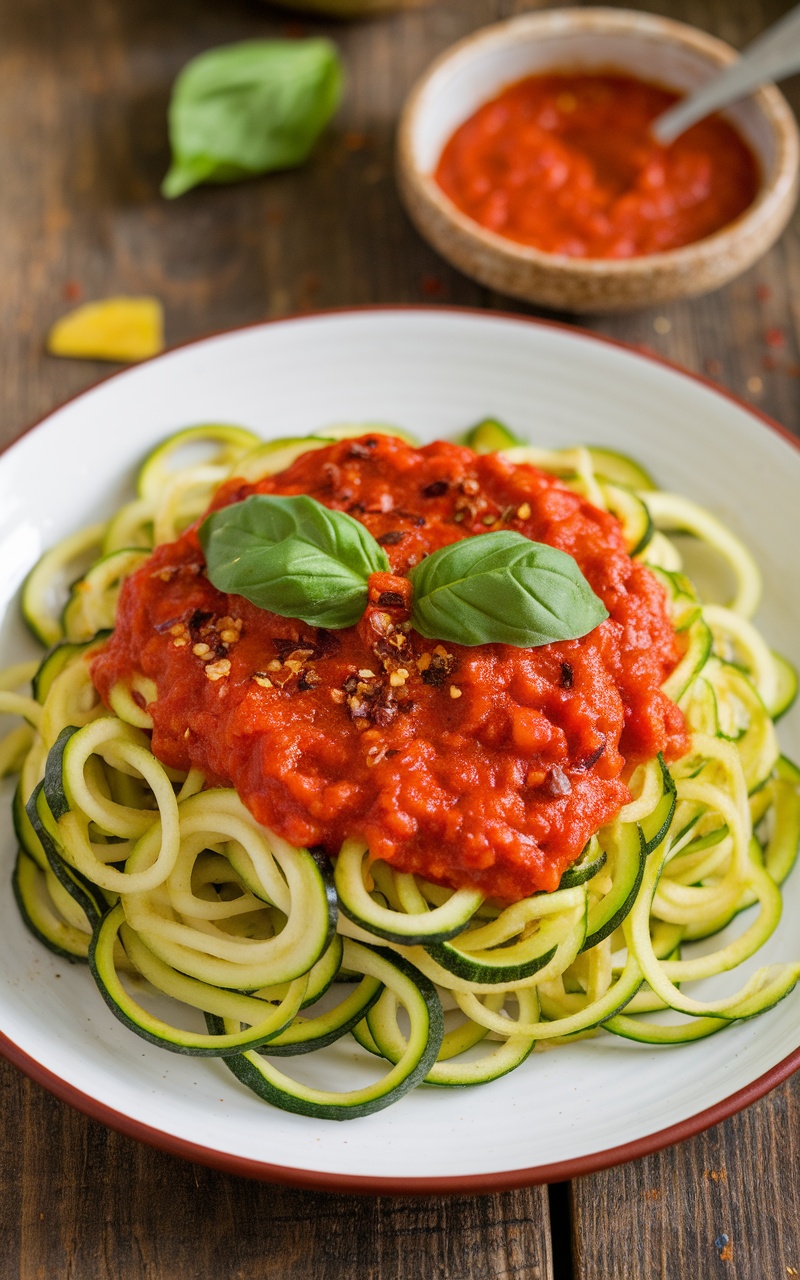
(433,286)
(435,489)
(355,141)
(72,291)
(769,363)
(763,293)
(713,367)
(775,337)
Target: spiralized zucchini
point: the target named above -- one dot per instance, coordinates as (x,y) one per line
(144,872)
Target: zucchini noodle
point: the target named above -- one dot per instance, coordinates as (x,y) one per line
(167,887)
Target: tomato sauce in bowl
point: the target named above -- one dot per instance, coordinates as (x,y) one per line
(489,765)
(565,163)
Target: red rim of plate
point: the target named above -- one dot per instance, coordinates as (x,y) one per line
(310,1179)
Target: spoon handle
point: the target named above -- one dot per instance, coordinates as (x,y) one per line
(772,55)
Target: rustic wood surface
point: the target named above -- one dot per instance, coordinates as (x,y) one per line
(83,92)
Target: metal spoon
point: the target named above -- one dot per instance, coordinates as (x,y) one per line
(772,55)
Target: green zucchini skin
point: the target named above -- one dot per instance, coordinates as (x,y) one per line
(656,825)
(408,939)
(586,868)
(490,436)
(463,966)
(86,894)
(363,1037)
(325,869)
(608,914)
(631,1027)
(268,458)
(23,830)
(633,515)
(783,846)
(60,938)
(53,663)
(448,1072)
(443,923)
(54,792)
(357,430)
(274,1087)
(618,468)
(693,660)
(231,438)
(136,1019)
(82,627)
(323,974)
(325,1029)
(787,687)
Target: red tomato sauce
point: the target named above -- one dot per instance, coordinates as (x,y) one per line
(565,163)
(488,766)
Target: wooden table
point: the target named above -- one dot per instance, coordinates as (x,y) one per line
(83,92)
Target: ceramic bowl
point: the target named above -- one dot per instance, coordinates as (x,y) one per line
(649,47)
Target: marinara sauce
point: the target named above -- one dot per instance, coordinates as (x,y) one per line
(488,766)
(566,163)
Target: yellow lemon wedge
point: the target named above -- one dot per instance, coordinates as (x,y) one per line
(119,329)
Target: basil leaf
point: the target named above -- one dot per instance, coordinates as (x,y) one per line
(247,108)
(502,588)
(294,557)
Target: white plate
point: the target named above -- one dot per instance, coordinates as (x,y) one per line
(565,1111)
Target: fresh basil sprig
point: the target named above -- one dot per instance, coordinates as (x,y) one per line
(502,588)
(294,557)
(250,107)
(298,559)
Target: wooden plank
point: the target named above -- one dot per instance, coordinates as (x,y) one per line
(78,1200)
(724,1204)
